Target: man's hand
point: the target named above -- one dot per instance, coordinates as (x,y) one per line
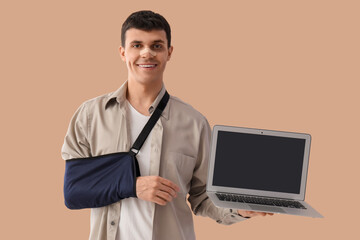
(156,189)
(252,213)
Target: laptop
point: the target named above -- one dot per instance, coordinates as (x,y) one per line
(259,170)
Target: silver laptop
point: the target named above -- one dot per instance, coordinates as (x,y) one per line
(259,170)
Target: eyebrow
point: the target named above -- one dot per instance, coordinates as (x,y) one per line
(156,41)
(136,42)
(159,41)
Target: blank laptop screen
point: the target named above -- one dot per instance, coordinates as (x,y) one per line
(258,162)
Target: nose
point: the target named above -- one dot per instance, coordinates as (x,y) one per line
(147,52)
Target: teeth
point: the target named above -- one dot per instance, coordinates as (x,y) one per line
(147,66)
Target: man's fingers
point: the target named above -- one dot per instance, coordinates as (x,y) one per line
(161,198)
(253,214)
(170,184)
(159,201)
(168,190)
(156,189)
(165,196)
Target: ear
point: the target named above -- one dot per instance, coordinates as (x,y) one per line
(122,53)
(171,48)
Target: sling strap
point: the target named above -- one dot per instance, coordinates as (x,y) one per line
(150,124)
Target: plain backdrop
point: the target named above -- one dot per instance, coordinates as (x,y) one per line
(281,65)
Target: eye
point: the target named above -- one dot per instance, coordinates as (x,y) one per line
(157,46)
(136,46)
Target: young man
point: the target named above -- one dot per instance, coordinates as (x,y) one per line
(174,159)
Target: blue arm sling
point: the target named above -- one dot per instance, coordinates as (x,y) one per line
(102,180)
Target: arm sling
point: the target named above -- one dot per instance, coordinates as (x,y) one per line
(102,180)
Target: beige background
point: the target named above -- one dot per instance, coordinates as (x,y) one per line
(285,65)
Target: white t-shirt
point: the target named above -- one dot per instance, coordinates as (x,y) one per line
(136,216)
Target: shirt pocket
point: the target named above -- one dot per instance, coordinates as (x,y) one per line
(180,169)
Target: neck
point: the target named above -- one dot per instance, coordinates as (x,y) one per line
(141,96)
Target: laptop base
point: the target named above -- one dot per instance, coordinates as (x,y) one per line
(308,212)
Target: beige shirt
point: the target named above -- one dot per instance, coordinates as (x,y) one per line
(179,152)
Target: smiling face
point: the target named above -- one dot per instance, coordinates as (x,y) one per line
(145,54)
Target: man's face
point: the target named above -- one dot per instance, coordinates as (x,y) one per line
(146,55)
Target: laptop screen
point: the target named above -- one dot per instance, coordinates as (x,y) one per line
(258,162)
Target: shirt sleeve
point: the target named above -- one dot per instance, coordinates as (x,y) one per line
(76,143)
(200,203)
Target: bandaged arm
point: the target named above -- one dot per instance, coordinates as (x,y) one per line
(93,181)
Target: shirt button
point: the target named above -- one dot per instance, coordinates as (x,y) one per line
(113,223)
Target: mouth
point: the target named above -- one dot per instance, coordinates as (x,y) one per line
(147,66)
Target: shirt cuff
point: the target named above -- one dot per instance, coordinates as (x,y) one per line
(230,217)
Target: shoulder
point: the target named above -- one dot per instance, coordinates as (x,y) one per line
(98,102)
(94,107)
(179,107)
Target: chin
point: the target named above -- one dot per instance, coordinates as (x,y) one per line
(148,80)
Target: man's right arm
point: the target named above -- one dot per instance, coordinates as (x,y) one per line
(76,145)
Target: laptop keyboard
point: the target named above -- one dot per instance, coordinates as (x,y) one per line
(259,200)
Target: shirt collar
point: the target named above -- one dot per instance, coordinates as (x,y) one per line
(119,96)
